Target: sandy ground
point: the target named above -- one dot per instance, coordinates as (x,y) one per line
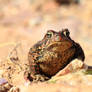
(28,21)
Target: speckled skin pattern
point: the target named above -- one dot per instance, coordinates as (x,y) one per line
(52,54)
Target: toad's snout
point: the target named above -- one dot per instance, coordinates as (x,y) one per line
(58,38)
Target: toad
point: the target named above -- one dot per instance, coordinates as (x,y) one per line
(52,53)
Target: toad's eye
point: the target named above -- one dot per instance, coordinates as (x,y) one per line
(49,34)
(66,32)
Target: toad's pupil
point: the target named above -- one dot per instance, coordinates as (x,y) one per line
(67,33)
(49,35)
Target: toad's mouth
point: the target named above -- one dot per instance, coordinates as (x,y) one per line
(59,45)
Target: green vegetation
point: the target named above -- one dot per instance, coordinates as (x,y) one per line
(88,72)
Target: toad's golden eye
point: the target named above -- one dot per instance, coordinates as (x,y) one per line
(49,34)
(66,32)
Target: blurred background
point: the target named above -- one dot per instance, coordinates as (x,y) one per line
(28,21)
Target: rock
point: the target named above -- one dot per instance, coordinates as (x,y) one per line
(73,74)
(5,87)
(3,81)
(74,66)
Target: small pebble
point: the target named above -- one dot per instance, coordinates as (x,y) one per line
(3,81)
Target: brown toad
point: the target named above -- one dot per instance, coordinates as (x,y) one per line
(52,54)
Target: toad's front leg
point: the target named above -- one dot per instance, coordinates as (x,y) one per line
(34,74)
